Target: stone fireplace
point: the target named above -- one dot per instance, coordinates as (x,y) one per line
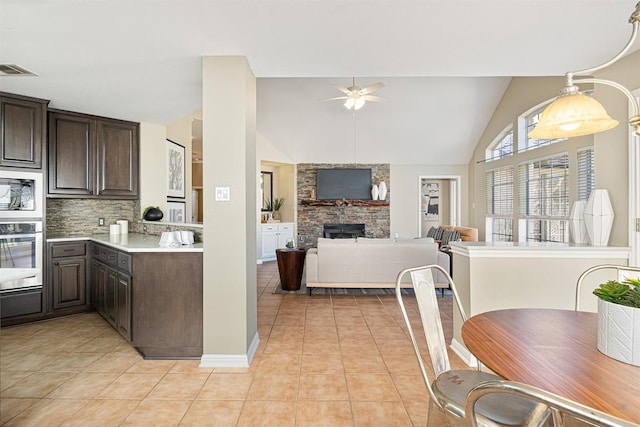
(313,215)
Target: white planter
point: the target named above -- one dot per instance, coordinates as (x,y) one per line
(619,332)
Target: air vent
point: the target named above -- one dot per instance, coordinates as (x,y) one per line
(14,70)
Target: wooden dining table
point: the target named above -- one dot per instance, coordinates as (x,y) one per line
(555,350)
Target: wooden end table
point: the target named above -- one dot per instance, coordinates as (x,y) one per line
(290,267)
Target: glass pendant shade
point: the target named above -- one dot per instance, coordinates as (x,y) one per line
(572,114)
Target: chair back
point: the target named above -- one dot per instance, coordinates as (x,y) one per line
(623,272)
(427,300)
(562,409)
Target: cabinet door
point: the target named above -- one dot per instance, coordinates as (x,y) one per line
(284,236)
(71,154)
(101,288)
(23,132)
(124,305)
(117,159)
(69,282)
(111,296)
(269,244)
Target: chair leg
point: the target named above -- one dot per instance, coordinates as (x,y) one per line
(438,417)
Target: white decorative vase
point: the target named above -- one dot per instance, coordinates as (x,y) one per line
(374,192)
(382,187)
(619,332)
(598,217)
(577,224)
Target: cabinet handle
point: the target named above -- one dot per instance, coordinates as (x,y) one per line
(56,263)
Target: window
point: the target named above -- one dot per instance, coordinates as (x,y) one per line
(586,173)
(499,190)
(530,121)
(502,146)
(544,200)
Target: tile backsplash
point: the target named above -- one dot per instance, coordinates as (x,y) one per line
(80,216)
(77,217)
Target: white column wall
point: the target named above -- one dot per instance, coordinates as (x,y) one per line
(229,146)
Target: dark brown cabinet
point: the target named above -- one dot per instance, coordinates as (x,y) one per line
(111,287)
(22,130)
(92,157)
(68,284)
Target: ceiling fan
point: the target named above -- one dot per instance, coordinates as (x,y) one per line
(355,96)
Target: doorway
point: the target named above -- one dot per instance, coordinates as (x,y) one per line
(439,202)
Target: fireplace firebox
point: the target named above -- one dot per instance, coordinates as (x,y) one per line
(343,231)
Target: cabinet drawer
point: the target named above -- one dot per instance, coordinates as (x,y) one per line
(68,249)
(270,227)
(285,227)
(108,256)
(124,262)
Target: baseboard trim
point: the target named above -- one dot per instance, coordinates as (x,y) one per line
(464,354)
(231,360)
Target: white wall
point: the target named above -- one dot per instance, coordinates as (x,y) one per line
(152,166)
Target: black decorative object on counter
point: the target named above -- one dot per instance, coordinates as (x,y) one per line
(152,214)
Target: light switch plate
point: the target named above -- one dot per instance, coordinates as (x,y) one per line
(223,194)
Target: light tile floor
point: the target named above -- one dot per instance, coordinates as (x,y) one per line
(322,361)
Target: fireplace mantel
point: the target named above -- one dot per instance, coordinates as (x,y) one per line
(344,202)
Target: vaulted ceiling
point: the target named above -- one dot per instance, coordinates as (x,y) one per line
(445,64)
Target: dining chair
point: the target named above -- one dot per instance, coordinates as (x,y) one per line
(622,272)
(448,389)
(564,412)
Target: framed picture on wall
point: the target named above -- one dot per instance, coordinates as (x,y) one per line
(175,170)
(177,211)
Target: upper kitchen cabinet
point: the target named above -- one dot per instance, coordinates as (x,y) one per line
(22,130)
(92,157)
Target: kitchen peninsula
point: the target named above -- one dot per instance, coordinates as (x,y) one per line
(500,275)
(152,295)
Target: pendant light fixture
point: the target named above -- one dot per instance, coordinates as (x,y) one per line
(576,114)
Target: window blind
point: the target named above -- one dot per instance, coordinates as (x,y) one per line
(586,173)
(499,191)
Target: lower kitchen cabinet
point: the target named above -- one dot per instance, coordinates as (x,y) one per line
(68,278)
(111,287)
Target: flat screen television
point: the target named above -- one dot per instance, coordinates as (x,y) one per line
(336,184)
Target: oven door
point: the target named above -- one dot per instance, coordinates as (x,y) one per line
(21,256)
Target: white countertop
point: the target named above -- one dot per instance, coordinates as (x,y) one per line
(131,242)
(537,250)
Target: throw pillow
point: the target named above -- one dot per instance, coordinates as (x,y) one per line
(431,232)
(438,233)
(454,236)
(446,235)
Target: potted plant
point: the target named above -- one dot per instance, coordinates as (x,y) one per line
(619,320)
(275,207)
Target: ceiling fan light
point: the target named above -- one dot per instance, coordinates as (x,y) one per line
(349,103)
(572,114)
(359,102)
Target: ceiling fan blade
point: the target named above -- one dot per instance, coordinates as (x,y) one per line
(373,98)
(337,98)
(371,88)
(342,89)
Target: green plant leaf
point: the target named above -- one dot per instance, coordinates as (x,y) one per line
(612,291)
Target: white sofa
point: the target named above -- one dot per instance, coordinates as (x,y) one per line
(369,263)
